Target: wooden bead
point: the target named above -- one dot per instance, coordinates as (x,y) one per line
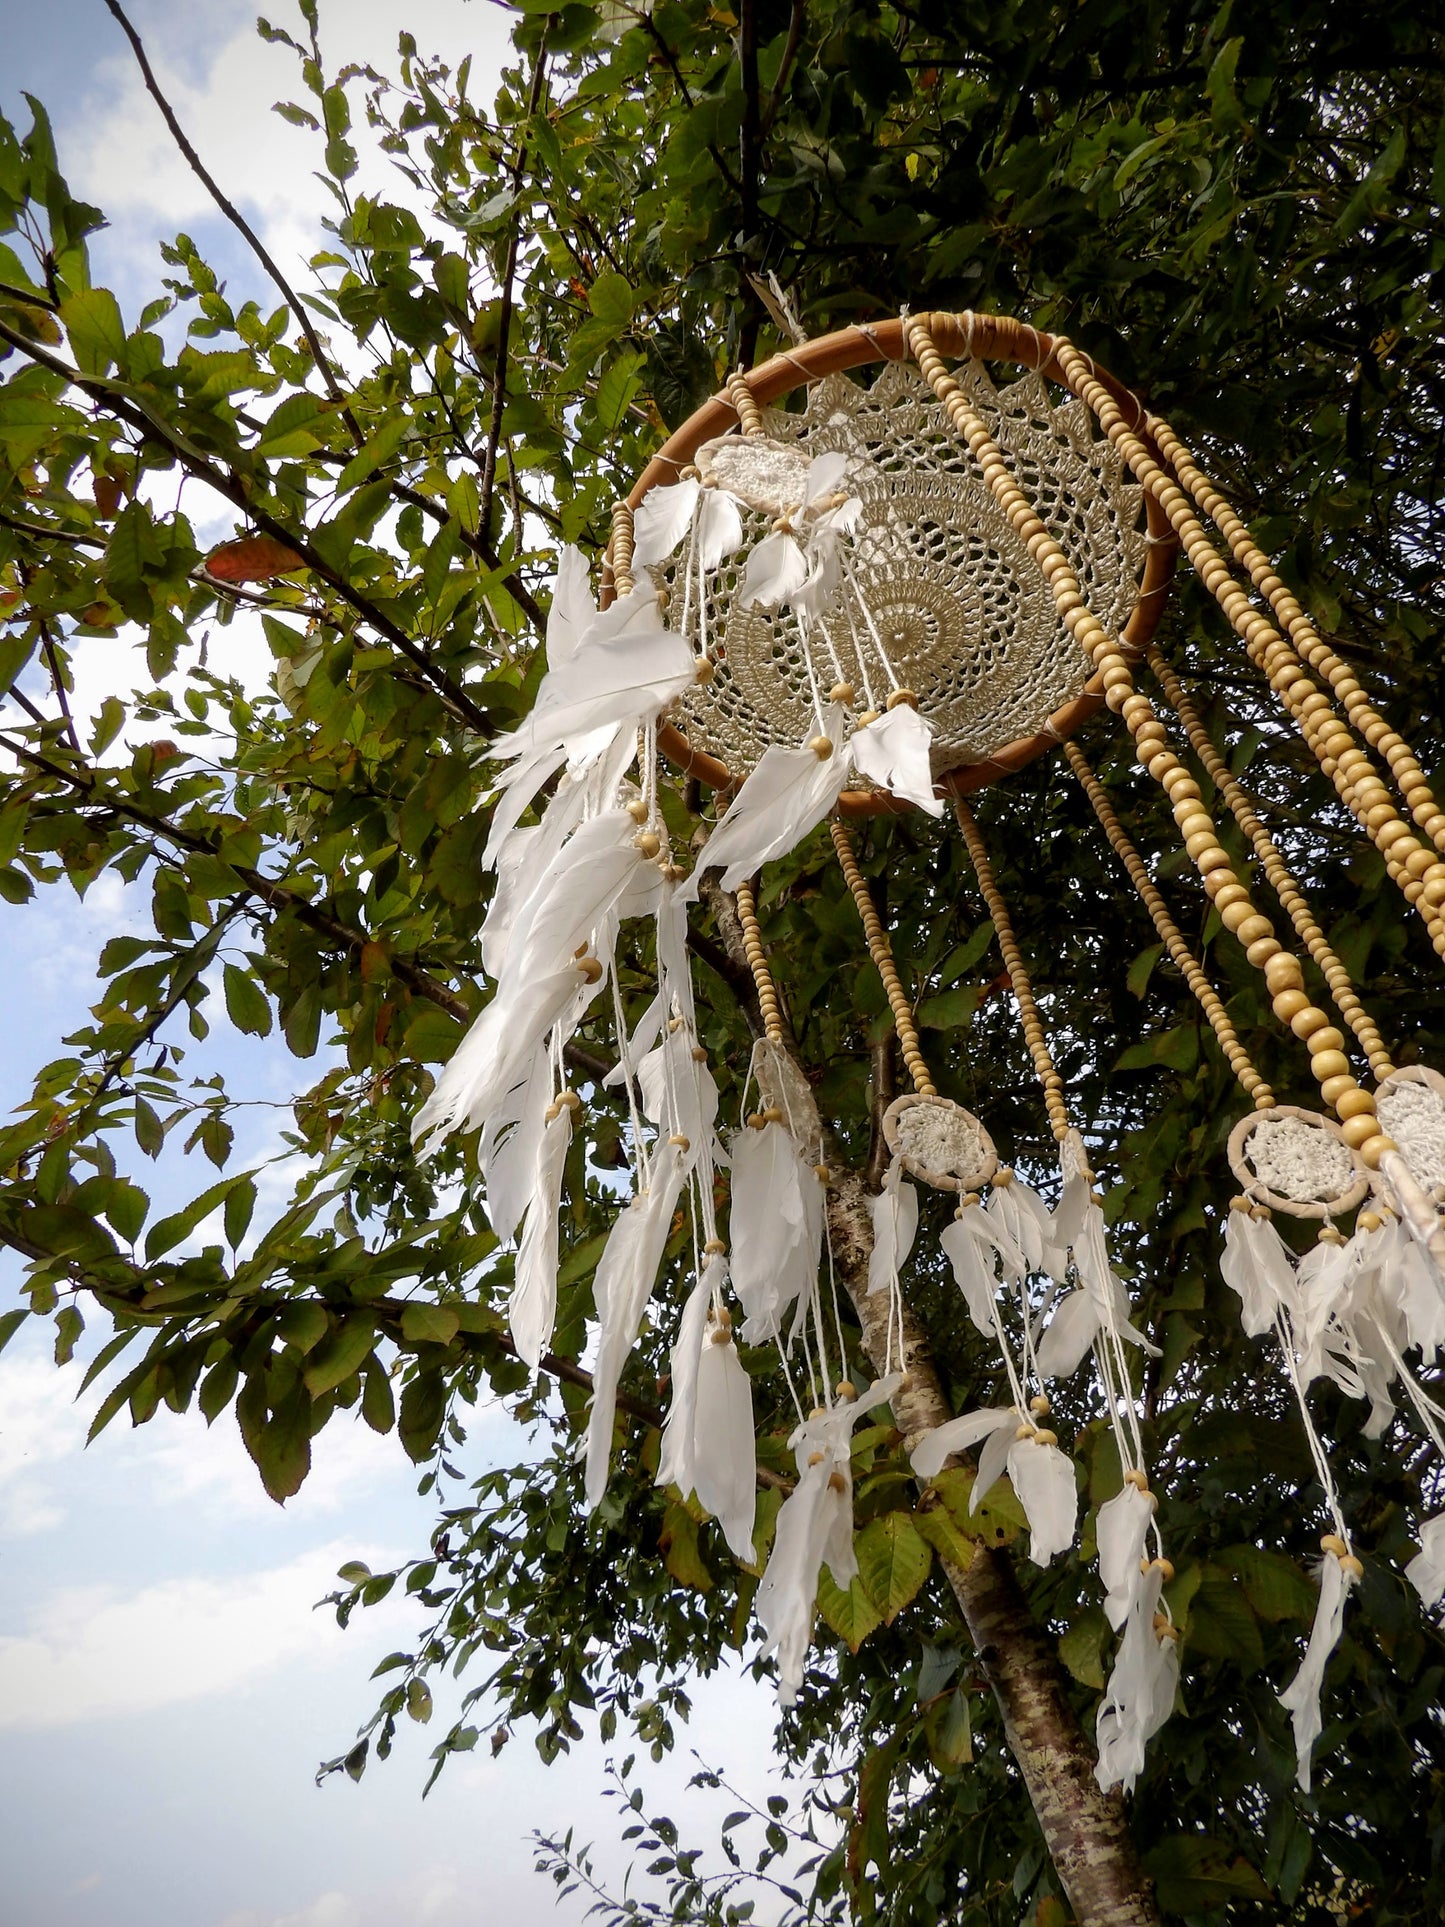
(901,696)
(1289,1003)
(1253,928)
(841,692)
(649,843)
(1230,892)
(1284,973)
(1309,1020)
(1200,840)
(1334,1088)
(821,746)
(1212,860)
(1329,1063)
(1359,1130)
(1373,1149)
(1262,949)
(1354,1103)
(1236,914)
(1330,1038)
(637,810)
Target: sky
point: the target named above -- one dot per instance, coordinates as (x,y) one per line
(167,1686)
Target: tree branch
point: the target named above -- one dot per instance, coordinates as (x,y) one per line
(239,222)
(102,392)
(504,325)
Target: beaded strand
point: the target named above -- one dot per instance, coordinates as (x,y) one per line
(881,951)
(1236,1055)
(768,1005)
(1023,990)
(1282,973)
(1277,873)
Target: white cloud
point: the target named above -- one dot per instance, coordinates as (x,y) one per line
(93,1652)
(222,81)
(433,1897)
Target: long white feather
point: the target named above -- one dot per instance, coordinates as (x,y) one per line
(787,794)
(676,1459)
(725,1471)
(628,679)
(893,753)
(532,1309)
(1301,1698)
(626,1274)
(1139,1696)
(777,1227)
(1123,1526)
(1043,1480)
(959,1435)
(776,570)
(511,1139)
(894,1212)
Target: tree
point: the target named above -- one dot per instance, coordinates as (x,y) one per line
(1238,214)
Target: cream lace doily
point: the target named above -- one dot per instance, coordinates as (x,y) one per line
(939,1142)
(1297,1162)
(964,617)
(1411,1106)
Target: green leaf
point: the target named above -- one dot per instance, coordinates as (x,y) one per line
(682,1555)
(294,428)
(236,1216)
(1082,1648)
(97,333)
(893,1561)
(15,651)
(304,1325)
(852,1614)
(949,1727)
(1222,1624)
(429,1324)
(612,300)
(1275,1587)
(1142,969)
(620,382)
(167,1233)
(423,1408)
(953,1009)
(337,1357)
(126,1207)
(281,1447)
(247,1005)
(10,1323)
(418,1700)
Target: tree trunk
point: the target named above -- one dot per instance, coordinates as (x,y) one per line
(1085,1830)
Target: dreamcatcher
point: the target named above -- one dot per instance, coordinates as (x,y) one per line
(885,602)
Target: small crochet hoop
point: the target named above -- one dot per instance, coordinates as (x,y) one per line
(1411,1107)
(1338,1183)
(946,1125)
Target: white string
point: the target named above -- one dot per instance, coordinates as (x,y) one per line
(1285,1333)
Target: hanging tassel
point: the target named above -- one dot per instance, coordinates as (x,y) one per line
(777,1227)
(725,1474)
(532,1308)
(1139,1696)
(894,1215)
(1426,1571)
(787,794)
(1301,1698)
(1100,1302)
(973,1243)
(1122,1528)
(1259,1267)
(626,1274)
(893,753)
(815,1527)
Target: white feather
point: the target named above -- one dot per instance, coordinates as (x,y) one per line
(1123,1526)
(725,1470)
(627,678)
(676,1459)
(893,753)
(787,794)
(777,1227)
(1139,1696)
(573,611)
(1301,1698)
(1426,1571)
(626,1274)
(532,1310)
(661,520)
(776,570)
(1043,1481)
(894,1213)
(511,1138)
(958,1435)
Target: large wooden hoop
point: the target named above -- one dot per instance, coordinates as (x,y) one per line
(990,338)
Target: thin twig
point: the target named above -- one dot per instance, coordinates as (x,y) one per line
(504,324)
(238,221)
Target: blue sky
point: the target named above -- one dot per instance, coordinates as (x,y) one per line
(166,1688)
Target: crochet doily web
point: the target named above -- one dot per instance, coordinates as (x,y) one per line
(1298,1160)
(965,619)
(1414,1115)
(941,1138)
